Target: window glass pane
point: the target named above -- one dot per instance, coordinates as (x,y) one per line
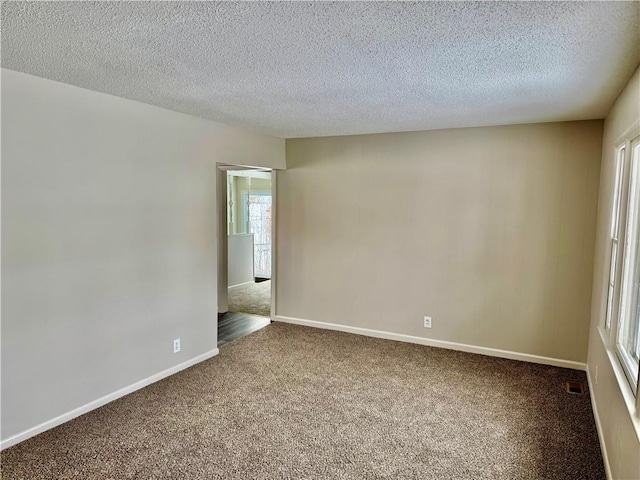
(617,193)
(615,227)
(260,220)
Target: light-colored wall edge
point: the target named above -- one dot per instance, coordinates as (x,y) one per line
(603,446)
(223,240)
(491,352)
(274,243)
(54,422)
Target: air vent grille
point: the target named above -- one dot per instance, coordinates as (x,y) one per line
(575,388)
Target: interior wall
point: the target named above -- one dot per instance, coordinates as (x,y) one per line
(240,251)
(108,242)
(488,230)
(620,440)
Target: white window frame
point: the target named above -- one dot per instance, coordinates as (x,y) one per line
(614,236)
(609,327)
(629,274)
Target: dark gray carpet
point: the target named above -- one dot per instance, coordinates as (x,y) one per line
(300,403)
(254,298)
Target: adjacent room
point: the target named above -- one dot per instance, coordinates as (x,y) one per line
(248,220)
(320,240)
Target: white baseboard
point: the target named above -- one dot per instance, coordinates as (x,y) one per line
(49,424)
(240,285)
(492,352)
(603,446)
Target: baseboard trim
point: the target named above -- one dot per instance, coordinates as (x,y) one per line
(603,446)
(43,427)
(240,285)
(491,352)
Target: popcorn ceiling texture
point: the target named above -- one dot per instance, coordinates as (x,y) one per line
(324,68)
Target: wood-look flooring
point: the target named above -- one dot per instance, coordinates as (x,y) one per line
(232,326)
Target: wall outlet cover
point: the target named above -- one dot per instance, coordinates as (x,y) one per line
(176,345)
(427,322)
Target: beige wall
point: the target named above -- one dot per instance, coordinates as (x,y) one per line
(108,242)
(240,252)
(620,440)
(488,230)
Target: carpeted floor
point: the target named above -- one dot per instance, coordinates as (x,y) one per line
(254,298)
(291,402)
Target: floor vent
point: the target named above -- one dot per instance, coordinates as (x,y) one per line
(576,388)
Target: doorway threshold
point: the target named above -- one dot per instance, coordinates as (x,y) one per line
(233,325)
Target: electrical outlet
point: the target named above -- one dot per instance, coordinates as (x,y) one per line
(427,322)
(176,345)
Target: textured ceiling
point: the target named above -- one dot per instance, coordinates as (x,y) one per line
(314,69)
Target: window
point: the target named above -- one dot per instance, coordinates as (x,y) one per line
(628,332)
(258,218)
(622,318)
(615,232)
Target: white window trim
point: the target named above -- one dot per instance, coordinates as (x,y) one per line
(609,335)
(633,406)
(631,368)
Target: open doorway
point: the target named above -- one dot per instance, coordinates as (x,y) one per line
(250,215)
(245,256)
